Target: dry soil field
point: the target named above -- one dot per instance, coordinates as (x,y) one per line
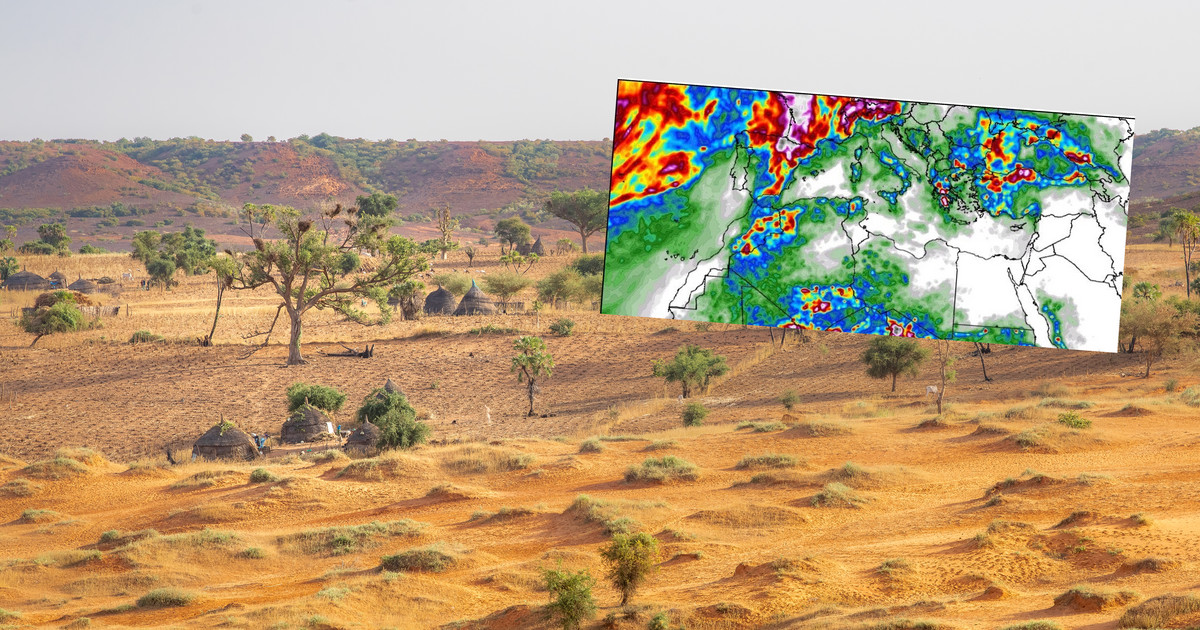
(867,512)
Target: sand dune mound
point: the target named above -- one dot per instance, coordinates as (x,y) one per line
(1090,599)
(389,466)
(1130,411)
(750,516)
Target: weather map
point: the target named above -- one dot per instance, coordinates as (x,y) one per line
(866,215)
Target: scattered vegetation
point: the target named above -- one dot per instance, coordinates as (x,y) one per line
(822,428)
(571,600)
(768,460)
(429,559)
(327,399)
(262,475)
(1158,612)
(1084,597)
(837,495)
(762,427)
(694,414)
(337,541)
(478,459)
(163,597)
(145,336)
(661,445)
(630,559)
(591,445)
(892,357)
(563,327)
(1074,420)
(661,469)
(789,399)
(693,367)
(20,487)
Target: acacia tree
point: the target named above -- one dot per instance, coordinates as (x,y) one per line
(692,368)
(586,209)
(532,362)
(316,266)
(893,356)
(512,231)
(1158,325)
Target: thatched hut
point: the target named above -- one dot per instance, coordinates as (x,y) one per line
(475,303)
(306,424)
(364,438)
(25,281)
(537,247)
(392,388)
(440,302)
(58,278)
(84,286)
(225,441)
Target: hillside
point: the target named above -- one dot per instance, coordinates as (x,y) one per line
(1166,162)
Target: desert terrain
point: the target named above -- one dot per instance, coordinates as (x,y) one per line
(856,508)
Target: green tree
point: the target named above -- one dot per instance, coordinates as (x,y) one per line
(512,231)
(378,205)
(571,598)
(532,363)
(630,560)
(893,356)
(395,417)
(505,284)
(54,235)
(58,317)
(247,138)
(589,264)
(564,284)
(454,282)
(1167,228)
(327,399)
(1187,230)
(586,209)
(8,266)
(6,245)
(1146,291)
(314,266)
(162,272)
(405,297)
(692,368)
(1158,325)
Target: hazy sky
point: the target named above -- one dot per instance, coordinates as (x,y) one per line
(505,70)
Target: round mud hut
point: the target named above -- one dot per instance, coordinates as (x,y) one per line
(59,278)
(475,303)
(440,302)
(364,439)
(392,388)
(538,248)
(84,286)
(224,441)
(25,281)
(306,424)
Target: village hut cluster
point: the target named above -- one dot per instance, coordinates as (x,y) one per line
(307,425)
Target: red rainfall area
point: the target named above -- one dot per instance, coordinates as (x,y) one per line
(656,107)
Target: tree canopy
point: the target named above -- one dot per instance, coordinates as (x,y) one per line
(586,209)
(893,356)
(315,265)
(513,231)
(692,368)
(532,362)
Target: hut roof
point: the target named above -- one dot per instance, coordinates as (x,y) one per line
(231,437)
(392,388)
(440,302)
(26,281)
(538,248)
(302,425)
(84,286)
(365,435)
(475,302)
(59,276)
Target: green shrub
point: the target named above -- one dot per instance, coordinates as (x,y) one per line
(253,553)
(144,336)
(837,495)
(162,597)
(589,264)
(20,487)
(789,399)
(489,329)
(563,327)
(39,516)
(659,445)
(92,249)
(768,460)
(1074,420)
(325,398)
(630,560)
(572,597)
(694,414)
(1190,397)
(336,541)
(762,427)
(426,559)
(591,445)
(662,469)
(262,475)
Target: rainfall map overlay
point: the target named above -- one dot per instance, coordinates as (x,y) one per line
(866,215)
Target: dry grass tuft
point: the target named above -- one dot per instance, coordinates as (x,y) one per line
(1087,598)
(837,495)
(769,460)
(1158,612)
(480,459)
(337,541)
(821,428)
(661,470)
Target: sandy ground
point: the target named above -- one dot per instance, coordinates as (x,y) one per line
(957,523)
